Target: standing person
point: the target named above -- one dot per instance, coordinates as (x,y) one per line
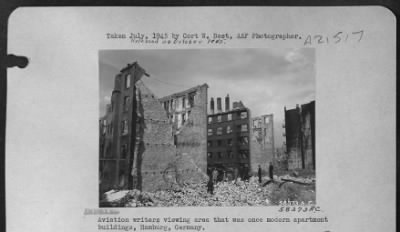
(259,174)
(210,186)
(236,174)
(271,171)
(224,178)
(214,176)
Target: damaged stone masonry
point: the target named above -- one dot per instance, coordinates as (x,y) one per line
(168,147)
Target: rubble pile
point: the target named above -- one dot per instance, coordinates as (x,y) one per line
(232,193)
(241,193)
(292,189)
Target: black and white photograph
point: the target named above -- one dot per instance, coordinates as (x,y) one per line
(247,118)
(206,127)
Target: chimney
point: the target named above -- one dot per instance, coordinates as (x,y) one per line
(227,103)
(212,106)
(219,107)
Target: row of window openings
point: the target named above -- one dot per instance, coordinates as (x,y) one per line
(257,123)
(182,118)
(243,154)
(168,105)
(127,100)
(228,130)
(241,115)
(124,127)
(243,140)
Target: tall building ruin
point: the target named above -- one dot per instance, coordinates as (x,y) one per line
(262,146)
(187,111)
(300,136)
(140,146)
(237,143)
(228,147)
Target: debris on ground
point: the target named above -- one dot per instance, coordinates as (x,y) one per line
(226,193)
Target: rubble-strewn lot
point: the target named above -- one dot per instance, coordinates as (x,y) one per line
(241,193)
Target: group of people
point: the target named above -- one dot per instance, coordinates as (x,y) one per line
(270,172)
(212,180)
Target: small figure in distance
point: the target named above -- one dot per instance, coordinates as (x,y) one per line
(271,171)
(210,186)
(214,176)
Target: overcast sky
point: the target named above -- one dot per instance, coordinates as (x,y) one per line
(265,80)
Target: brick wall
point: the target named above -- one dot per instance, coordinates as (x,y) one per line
(191,135)
(155,142)
(158,162)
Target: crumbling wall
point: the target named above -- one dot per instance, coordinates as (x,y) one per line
(191,137)
(307,128)
(109,145)
(192,140)
(261,142)
(158,163)
(143,155)
(154,142)
(294,158)
(184,170)
(292,131)
(300,136)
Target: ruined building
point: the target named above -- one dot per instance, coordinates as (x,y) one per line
(228,147)
(187,111)
(138,146)
(261,142)
(280,158)
(237,143)
(300,136)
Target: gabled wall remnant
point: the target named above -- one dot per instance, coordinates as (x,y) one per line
(155,143)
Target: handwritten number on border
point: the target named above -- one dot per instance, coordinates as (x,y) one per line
(339,37)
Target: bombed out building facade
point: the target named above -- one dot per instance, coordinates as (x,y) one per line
(262,142)
(142,145)
(237,144)
(152,143)
(187,111)
(300,136)
(228,147)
